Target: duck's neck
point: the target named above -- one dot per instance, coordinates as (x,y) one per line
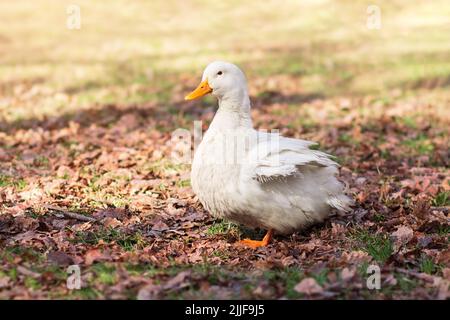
(233,112)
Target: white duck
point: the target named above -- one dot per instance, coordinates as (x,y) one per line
(257,178)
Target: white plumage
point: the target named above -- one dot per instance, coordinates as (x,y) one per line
(257,178)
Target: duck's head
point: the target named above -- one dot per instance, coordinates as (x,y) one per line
(223,80)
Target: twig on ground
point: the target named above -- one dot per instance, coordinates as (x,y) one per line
(70,214)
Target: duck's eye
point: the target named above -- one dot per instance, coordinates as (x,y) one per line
(219,73)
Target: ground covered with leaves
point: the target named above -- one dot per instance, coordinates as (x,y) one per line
(87,178)
(98,190)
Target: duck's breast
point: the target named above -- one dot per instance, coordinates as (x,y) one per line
(214,179)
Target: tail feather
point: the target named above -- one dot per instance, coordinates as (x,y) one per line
(340,202)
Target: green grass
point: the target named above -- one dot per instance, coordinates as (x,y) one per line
(289,277)
(379,246)
(42,161)
(427,265)
(27,254)
(8,181)
(419,145)
(127,241)
(143,269)
(87,293)
(362,269)
(32,283)
(408,121)
(442,199)
(321,276)
(5,181)
(348,139)
(406,284)
(12,274)
(105,273)
(444,231)
(166,167)
(222,254)
(378,217)
(221,227)
(184,183)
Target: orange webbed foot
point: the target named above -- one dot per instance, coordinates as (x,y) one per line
(258,243)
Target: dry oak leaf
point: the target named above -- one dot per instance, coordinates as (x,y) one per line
(149,292)
(60,258)
(81,226)
(446,273)
(160,226)
(390,280)
(111,222)
(95,255)
(308,286)
(348,274)
(402,236)
(443,286)
(178,281)
(4,281)
(355,257)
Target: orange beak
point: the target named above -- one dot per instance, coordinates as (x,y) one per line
(202,89)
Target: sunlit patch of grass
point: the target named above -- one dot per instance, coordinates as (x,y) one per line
(41,161)
(166,167)
(408,121)
(184,183)
(92,184)
(379,246)
(98,197)
(116,201)
(8,181)
(420,144)
(20,184)
(222,227)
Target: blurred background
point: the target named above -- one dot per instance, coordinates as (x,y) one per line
(130,52)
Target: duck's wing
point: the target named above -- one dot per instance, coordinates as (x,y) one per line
(276,157)
(288,169)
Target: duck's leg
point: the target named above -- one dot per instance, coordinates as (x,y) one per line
(258,243)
